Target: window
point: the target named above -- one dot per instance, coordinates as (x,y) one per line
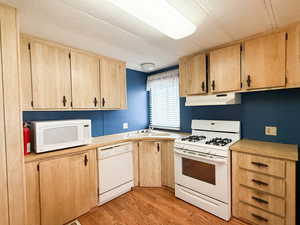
(164,100)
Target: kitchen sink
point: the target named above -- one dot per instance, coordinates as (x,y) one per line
(148,133)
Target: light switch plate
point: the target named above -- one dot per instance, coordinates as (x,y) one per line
(272,131)
(125,125)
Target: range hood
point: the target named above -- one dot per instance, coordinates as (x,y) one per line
(219,99)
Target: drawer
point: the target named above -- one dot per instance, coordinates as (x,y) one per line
(258,216)
(262,182)
(262,200)
(261,164)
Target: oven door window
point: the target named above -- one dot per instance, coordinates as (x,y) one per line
(199,170)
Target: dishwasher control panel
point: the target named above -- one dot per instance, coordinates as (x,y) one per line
(109,151)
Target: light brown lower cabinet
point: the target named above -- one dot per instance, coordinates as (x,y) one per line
(263,188)
(167,164)
(154,164)
(61,189)
(150,163)
(136,172)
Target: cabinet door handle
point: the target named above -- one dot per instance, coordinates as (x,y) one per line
(259,182)
(64,101)
(203,86)
(95,102)
(259,200)
(259,217)
(259,164)
(213,85)
(103,102)
(85,160)
(158,147)
(248,80)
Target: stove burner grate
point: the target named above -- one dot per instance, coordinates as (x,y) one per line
(219,141)
(193,138)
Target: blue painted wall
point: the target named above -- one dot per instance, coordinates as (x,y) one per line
(110,122)
(279,108)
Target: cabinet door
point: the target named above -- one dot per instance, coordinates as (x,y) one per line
(85,80)
(135,155)
(150,163)
(184,75)
(3,169)
(25,74)
(51,81)
(225,69)
(64,189)
(167,164)
(293,57)
(197,79)
(32,193)
(112,83)
(265,62)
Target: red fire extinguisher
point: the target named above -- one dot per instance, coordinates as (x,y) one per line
(26,138)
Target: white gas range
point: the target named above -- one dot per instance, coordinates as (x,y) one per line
(202,165)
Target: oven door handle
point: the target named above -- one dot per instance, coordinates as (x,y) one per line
(211,159)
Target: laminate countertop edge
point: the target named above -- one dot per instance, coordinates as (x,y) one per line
(101,141)
(267,149)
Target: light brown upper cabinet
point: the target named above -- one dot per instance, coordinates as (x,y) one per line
(225,69)
(197,76)
(192,75)
(26,82)
(265,61)
(150,163)
(57,77)
(293,57)
(113,84)
(184,72)
(85,80)
(51,79)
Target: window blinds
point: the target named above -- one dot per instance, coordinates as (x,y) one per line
(164,100)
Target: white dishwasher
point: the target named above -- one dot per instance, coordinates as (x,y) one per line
(115,166)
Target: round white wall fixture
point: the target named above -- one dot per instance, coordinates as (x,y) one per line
(147,66)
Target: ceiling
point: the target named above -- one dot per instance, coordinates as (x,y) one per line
(100,27)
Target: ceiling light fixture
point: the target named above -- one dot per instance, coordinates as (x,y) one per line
(158,14)
(147,67)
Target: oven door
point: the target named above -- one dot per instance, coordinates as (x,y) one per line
(203,174)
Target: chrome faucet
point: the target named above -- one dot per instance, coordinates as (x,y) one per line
(151,128)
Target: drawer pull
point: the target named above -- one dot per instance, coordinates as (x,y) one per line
(259,217)
(259,164)
(259,182)
(260,200)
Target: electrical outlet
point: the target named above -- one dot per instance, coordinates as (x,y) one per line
(272,131)
(125,125)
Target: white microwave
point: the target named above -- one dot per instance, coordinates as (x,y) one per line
(54,135)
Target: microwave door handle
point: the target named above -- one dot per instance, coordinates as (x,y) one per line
(211,159)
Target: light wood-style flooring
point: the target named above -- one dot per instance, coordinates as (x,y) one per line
(150,206)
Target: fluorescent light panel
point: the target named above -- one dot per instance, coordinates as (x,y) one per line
(158,14)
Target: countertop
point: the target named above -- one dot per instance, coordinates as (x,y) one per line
(269,149)
(105,141)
